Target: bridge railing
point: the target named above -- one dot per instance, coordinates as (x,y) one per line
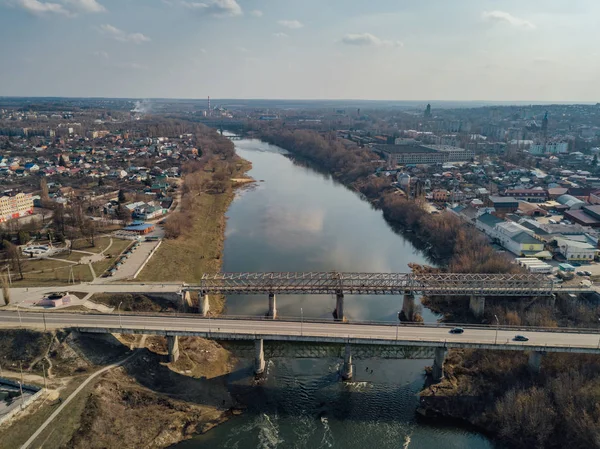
(313,320)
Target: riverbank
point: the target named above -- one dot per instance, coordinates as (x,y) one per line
(499,394)
(481,387)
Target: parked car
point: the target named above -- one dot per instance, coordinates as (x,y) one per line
(588,273)
(457,330)
(520,338)
(580,273)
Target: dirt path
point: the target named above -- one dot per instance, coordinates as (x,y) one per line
(70,398)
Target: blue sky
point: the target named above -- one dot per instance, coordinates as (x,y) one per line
(526,50)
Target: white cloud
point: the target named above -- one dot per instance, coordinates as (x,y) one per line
(242,49)
(369,40)
(256,13)
(130,66)
(39,8)
(69,8)
(217,8)
(280,35)
(502,16)
(85,5)
(101,54)
(122,36)
(291,24)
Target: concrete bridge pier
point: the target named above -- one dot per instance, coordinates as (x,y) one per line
(408,307)
(347,371)
(173,348)
(339,307)
(272,306)
(437,371)
(203,304)
(477,305)
(186,300)
(535,361)
(259,357)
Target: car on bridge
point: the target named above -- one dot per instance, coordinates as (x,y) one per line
(457,330)
(520,338)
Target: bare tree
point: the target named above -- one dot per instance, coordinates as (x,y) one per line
(13,254)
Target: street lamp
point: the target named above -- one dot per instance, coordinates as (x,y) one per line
(497,326)
(119,312)
(301,320)
(19,313)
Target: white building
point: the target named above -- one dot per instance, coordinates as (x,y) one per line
(549,148)
(574,250)
(15,206)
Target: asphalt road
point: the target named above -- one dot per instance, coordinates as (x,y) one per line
(285,330)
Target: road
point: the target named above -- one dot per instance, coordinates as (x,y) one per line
(69,399)
(34,294)
(247,329)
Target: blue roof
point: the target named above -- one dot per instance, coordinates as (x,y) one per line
(139,227)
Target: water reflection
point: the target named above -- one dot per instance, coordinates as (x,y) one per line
(301,220)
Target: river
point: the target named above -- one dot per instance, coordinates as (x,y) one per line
(296,219)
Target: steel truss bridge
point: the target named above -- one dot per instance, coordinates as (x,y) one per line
(336,283)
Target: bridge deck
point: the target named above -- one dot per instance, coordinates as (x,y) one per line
(454,284)
(313,332)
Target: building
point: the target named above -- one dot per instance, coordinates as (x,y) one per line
(586,216)
(570,202)
(15,205)
(503,205)
(574,250)
(140,228)
(439,195)
(411,154)
(518,239)
(486,223)
(529,195)
(549,148)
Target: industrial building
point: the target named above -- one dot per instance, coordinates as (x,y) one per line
(412,154)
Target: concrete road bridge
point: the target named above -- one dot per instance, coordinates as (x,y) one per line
(362,339)
(476,286)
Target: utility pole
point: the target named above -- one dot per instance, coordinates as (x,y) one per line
(119,312)
(497,326)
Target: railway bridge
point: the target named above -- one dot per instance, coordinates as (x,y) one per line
(475,286)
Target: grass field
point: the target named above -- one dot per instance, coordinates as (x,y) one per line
(100,244)
(199,249)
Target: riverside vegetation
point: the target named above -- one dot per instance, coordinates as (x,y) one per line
(494,390)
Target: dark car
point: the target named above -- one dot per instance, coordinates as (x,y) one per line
(520,338)
(457,330)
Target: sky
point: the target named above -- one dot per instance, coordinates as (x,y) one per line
(497,50)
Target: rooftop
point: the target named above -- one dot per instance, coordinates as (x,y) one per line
(404,149)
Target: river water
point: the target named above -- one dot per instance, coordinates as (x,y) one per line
(296,219)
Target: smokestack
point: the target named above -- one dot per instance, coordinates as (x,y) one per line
(209,106)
